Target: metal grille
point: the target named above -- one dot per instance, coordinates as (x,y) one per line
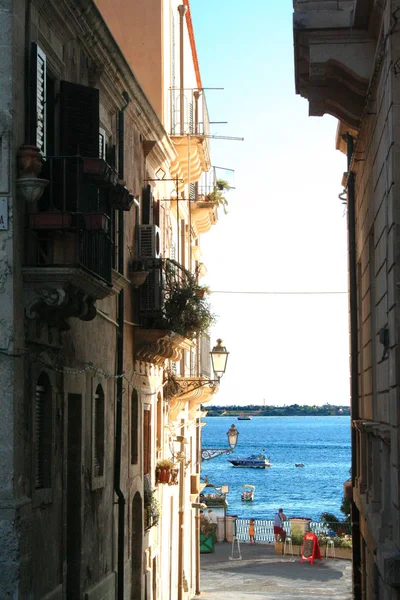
(190,117)
(41,101)
(42,441)
(192,191)
(98,433)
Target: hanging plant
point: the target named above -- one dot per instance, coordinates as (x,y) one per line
(186,311)
(217,195)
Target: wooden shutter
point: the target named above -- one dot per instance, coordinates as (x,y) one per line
(146,205)
(156,212)
(38,98)
(79,120)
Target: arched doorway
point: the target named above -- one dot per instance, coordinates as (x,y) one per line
(137,547)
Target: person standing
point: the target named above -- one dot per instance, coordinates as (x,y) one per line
(279,532)
(251,532)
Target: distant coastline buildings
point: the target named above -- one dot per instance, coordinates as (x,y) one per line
(293,410)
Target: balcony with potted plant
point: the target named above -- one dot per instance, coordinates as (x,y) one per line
(173,311)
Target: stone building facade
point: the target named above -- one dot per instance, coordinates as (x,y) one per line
(98,205)
(346,65)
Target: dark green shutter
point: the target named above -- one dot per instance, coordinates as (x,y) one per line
(146,205)
(79,120)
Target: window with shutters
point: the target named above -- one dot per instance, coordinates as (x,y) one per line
(43,432)
(98,437)
(134,427)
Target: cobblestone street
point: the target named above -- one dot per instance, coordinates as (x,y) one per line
(263,575)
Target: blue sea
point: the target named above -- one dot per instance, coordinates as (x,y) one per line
(321,443)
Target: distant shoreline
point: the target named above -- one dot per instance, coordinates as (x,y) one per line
(294,410)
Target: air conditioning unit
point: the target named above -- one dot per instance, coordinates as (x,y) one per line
(149,241)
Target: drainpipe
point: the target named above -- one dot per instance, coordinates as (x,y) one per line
(181,520)
(120,368)
(351,226)
(182,11)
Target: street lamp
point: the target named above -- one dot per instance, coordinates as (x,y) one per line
(219,358)
(233,435)
(208,453)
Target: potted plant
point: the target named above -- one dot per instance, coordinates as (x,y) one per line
(202,290)
(96,221)
(163,470)
(222,185)
(217,196)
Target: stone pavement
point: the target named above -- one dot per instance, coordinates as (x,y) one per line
(263,575)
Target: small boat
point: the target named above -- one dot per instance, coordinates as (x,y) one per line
(299,464)
(244,418)
(255,461)
(248,492)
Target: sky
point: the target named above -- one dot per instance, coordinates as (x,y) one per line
(285,230)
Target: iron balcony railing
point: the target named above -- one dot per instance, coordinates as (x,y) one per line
(163,274)
(74,223)
(189,113)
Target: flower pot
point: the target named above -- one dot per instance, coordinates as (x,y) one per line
(30,161)
(138,278)
(96,221)
(201,293)
(163,475)
(121,197)
(50,220)
(299,526)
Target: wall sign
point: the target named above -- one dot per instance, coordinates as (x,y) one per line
(3,213)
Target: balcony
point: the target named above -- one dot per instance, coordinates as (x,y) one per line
(172,311)
(189,131)
(69,247)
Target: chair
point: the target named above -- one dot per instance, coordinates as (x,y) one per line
(238,555)
(330,549)
(288,542)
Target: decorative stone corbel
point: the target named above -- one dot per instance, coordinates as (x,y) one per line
(56,305)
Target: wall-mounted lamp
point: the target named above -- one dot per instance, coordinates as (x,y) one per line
(219,358)
(209,453)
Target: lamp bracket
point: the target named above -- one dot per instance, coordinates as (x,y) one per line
(209,453)
(189,385)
